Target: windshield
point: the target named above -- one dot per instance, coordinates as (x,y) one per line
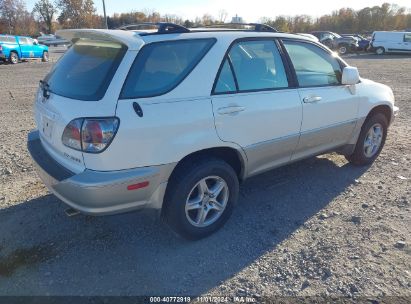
(86,70)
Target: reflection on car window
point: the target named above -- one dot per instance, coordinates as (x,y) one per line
(313,65)
(225,82)
(23,41)
(160,67)
(86,69)
(257,65)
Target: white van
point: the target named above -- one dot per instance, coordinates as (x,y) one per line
(387,42)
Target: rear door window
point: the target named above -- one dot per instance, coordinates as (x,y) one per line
(86,70)
(225,82)
(258,66)
(161,66)
(407,37)
(24,41)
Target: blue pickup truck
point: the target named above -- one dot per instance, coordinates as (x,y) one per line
(15,48)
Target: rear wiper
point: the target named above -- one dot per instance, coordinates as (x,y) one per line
(45,88)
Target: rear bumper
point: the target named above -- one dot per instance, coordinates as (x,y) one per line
(98,192)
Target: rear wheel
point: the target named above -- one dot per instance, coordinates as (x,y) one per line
(200,197)
(371,140)
(380,51)
(14,58)
(342,49)
(45,57)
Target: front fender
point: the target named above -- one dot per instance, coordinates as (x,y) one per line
(373,95)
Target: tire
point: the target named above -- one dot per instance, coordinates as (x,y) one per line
(380,50)
(187,184)
(45,57)
(343,49)
(14,58)
(367,149)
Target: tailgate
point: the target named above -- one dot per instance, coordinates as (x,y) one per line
(85,82)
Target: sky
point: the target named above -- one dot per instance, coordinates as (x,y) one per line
(251,11)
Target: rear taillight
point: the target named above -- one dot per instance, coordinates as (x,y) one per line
(71,134)
(91,135)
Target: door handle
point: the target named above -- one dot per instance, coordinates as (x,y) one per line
(312,99)
(230,110)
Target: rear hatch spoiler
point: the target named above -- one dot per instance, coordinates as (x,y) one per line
(130,39)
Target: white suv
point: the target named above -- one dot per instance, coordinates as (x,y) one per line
(174,119)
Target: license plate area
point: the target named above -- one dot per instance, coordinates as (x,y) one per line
(47,125)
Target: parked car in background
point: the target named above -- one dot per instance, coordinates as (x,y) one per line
(50,39)
(363,43)
(15,48)
(174,120)
(342,45)
(391,42)
(312,37)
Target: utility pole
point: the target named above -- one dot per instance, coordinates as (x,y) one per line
(105,16)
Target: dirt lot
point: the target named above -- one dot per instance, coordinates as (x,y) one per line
(319,227)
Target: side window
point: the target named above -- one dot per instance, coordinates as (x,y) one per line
(160,67)
(407,37)
(225,82)
(23,41)
(313,65)
(258,66)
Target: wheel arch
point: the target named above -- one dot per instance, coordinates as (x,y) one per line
(234,157)
(15,52)
(382,108)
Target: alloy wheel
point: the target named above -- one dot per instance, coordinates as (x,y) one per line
(207,201)
(373,140)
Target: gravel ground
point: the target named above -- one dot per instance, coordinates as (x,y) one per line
(319,227)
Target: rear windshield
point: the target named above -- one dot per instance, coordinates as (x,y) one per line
(86,70)
(160,67)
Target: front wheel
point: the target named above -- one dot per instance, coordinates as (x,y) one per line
(45,57)
(370,141)
(200,197)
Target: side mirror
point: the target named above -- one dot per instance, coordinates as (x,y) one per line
(35,42)
(350,76)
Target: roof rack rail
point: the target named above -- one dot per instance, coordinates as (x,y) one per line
(162,27)
(258,27)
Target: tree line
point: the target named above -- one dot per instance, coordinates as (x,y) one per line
(346,20)
(49,15)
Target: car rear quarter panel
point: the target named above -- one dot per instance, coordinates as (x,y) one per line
(166,133)
(9,47)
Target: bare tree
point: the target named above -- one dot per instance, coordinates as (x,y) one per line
(222,16)
(207,19)
(46,10)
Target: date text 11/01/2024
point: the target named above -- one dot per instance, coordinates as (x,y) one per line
(203,299)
